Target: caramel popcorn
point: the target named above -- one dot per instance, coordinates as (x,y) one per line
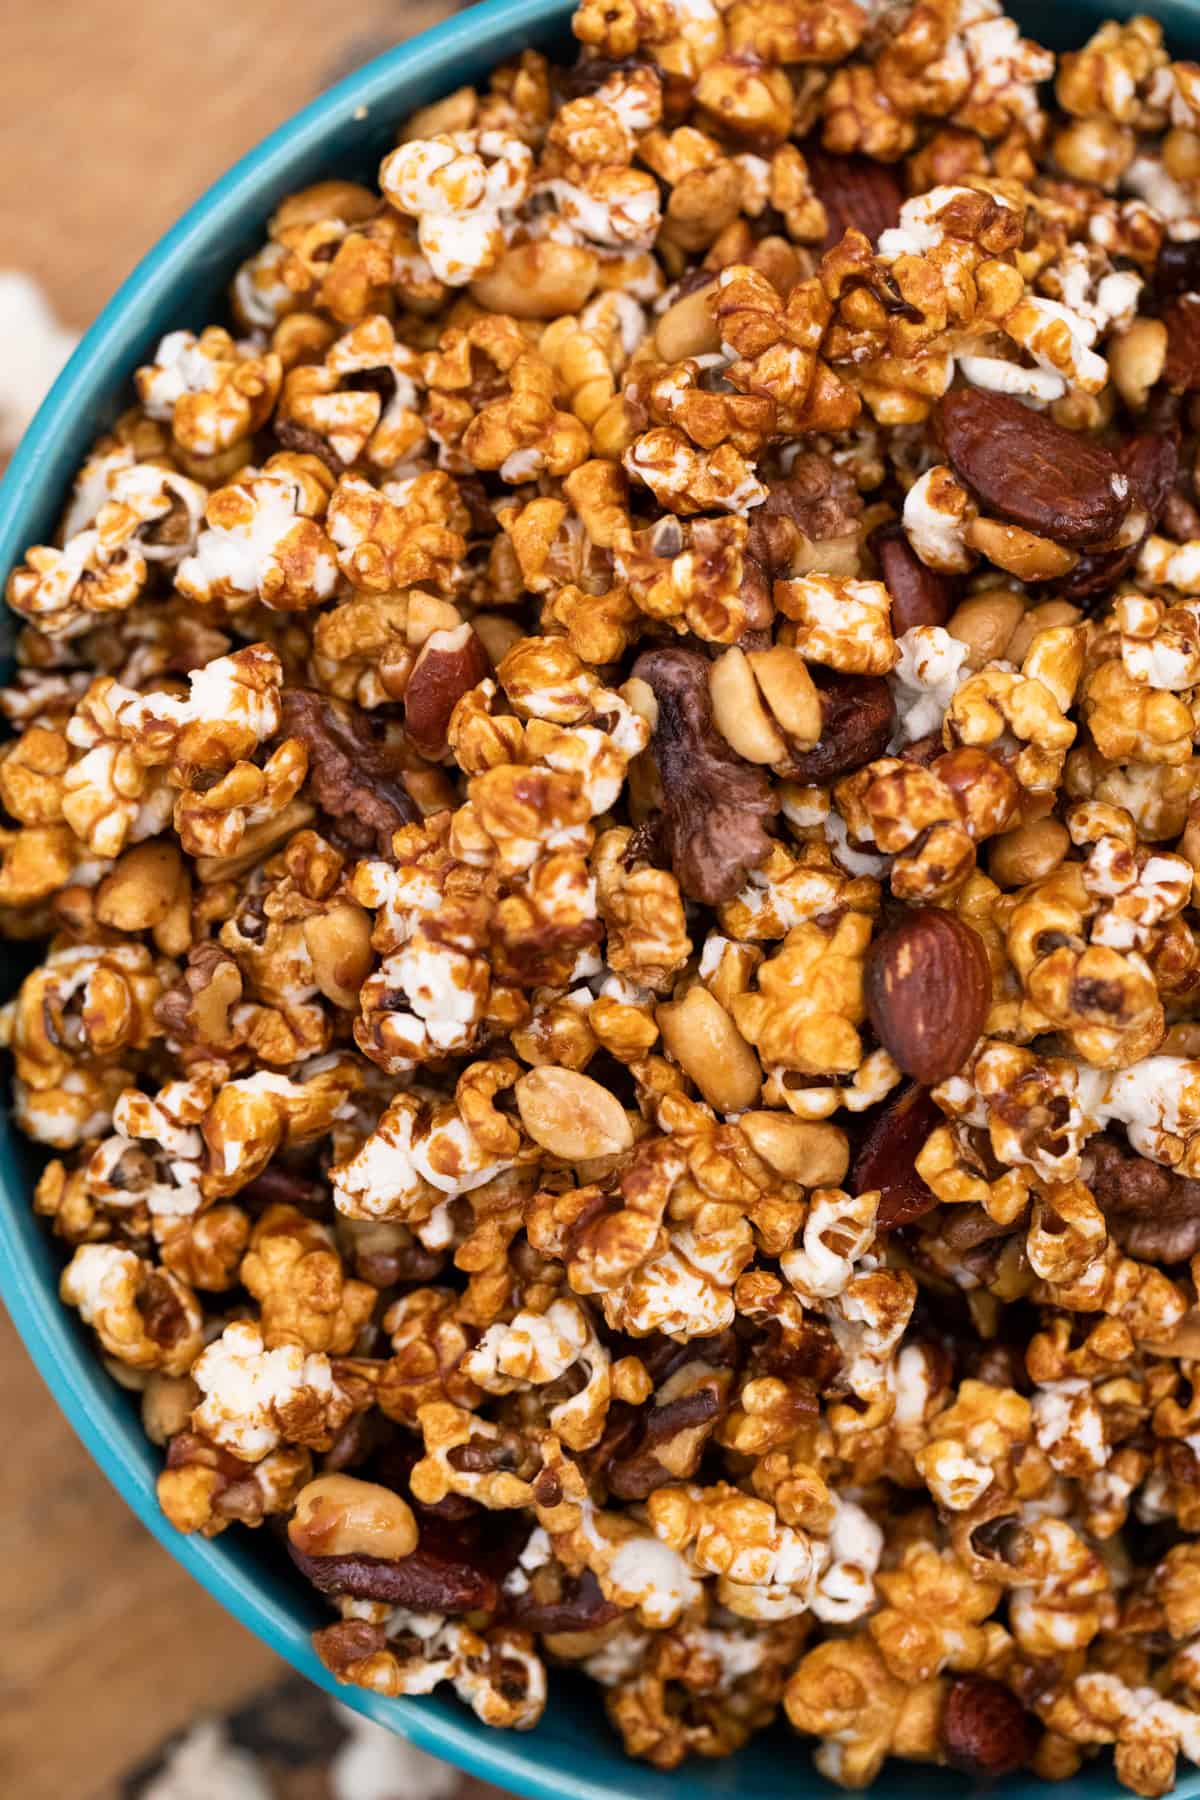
(608,782)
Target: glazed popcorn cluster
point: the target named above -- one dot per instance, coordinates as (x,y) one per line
(608,771)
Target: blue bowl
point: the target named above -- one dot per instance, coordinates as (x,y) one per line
(573,1754)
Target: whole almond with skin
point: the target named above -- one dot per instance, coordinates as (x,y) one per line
(886,1158)
(986,1732)
(450,664)
(856,192)
(928,989)
(1023,467)
(920,596)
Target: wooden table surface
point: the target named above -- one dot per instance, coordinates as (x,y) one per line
(119,113)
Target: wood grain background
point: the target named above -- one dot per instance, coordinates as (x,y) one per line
(119,113)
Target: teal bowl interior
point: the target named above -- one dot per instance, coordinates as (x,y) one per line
(572,1754)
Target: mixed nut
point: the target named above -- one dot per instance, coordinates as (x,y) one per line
(608,772)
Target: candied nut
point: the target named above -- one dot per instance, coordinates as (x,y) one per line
(338,1515)
(738,711)
(538,280)
(920,596)
(858,717)
(810,1152)
(352,775)
(1182,367)
(1018,857)
(986,623)
(688,327)
(986,1732)
(141,888)
(429,1579)
(707,1045)
(928,988)
(858,194)
(886,1159)
(570,1115)
(715,802)
(339,947)
(1052,482)
(449,665)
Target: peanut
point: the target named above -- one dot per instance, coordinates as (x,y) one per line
(339,945)
(139,890)
(570,1115)
(687,328)
(539,280)
(812,1153)
(738,712)
(986,623)
(338,1515)
(1026,854)
(782,675)
(702,1038)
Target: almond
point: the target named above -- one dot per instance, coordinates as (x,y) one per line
(986,1732)
(570,1115)
(451,663)
(920,596)
(928,988)
(857,193)
(887,1157)
(1056,483)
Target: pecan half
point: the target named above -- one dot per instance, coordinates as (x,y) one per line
(426,1581)
(1153,1213)
(856,192)
(815,502)
(858,717)
(920,596)
(715,804)
(633,1476)
(928,989)
(1027,469)
(352,775)
(580,1607)
(986,1732)
(887,1157)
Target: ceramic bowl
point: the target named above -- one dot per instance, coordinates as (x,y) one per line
(573,1754)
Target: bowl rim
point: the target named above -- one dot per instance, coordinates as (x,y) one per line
(67,1366)
(66,1362)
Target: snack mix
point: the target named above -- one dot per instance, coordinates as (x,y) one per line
(607,769)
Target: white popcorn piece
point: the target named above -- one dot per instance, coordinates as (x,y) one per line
(536,1348)
(254,1399)
(937,510)
(252,548)
(463,189)
(1069,1426)
(842,623)
(839,1230)
(1167,564)
(931,669)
